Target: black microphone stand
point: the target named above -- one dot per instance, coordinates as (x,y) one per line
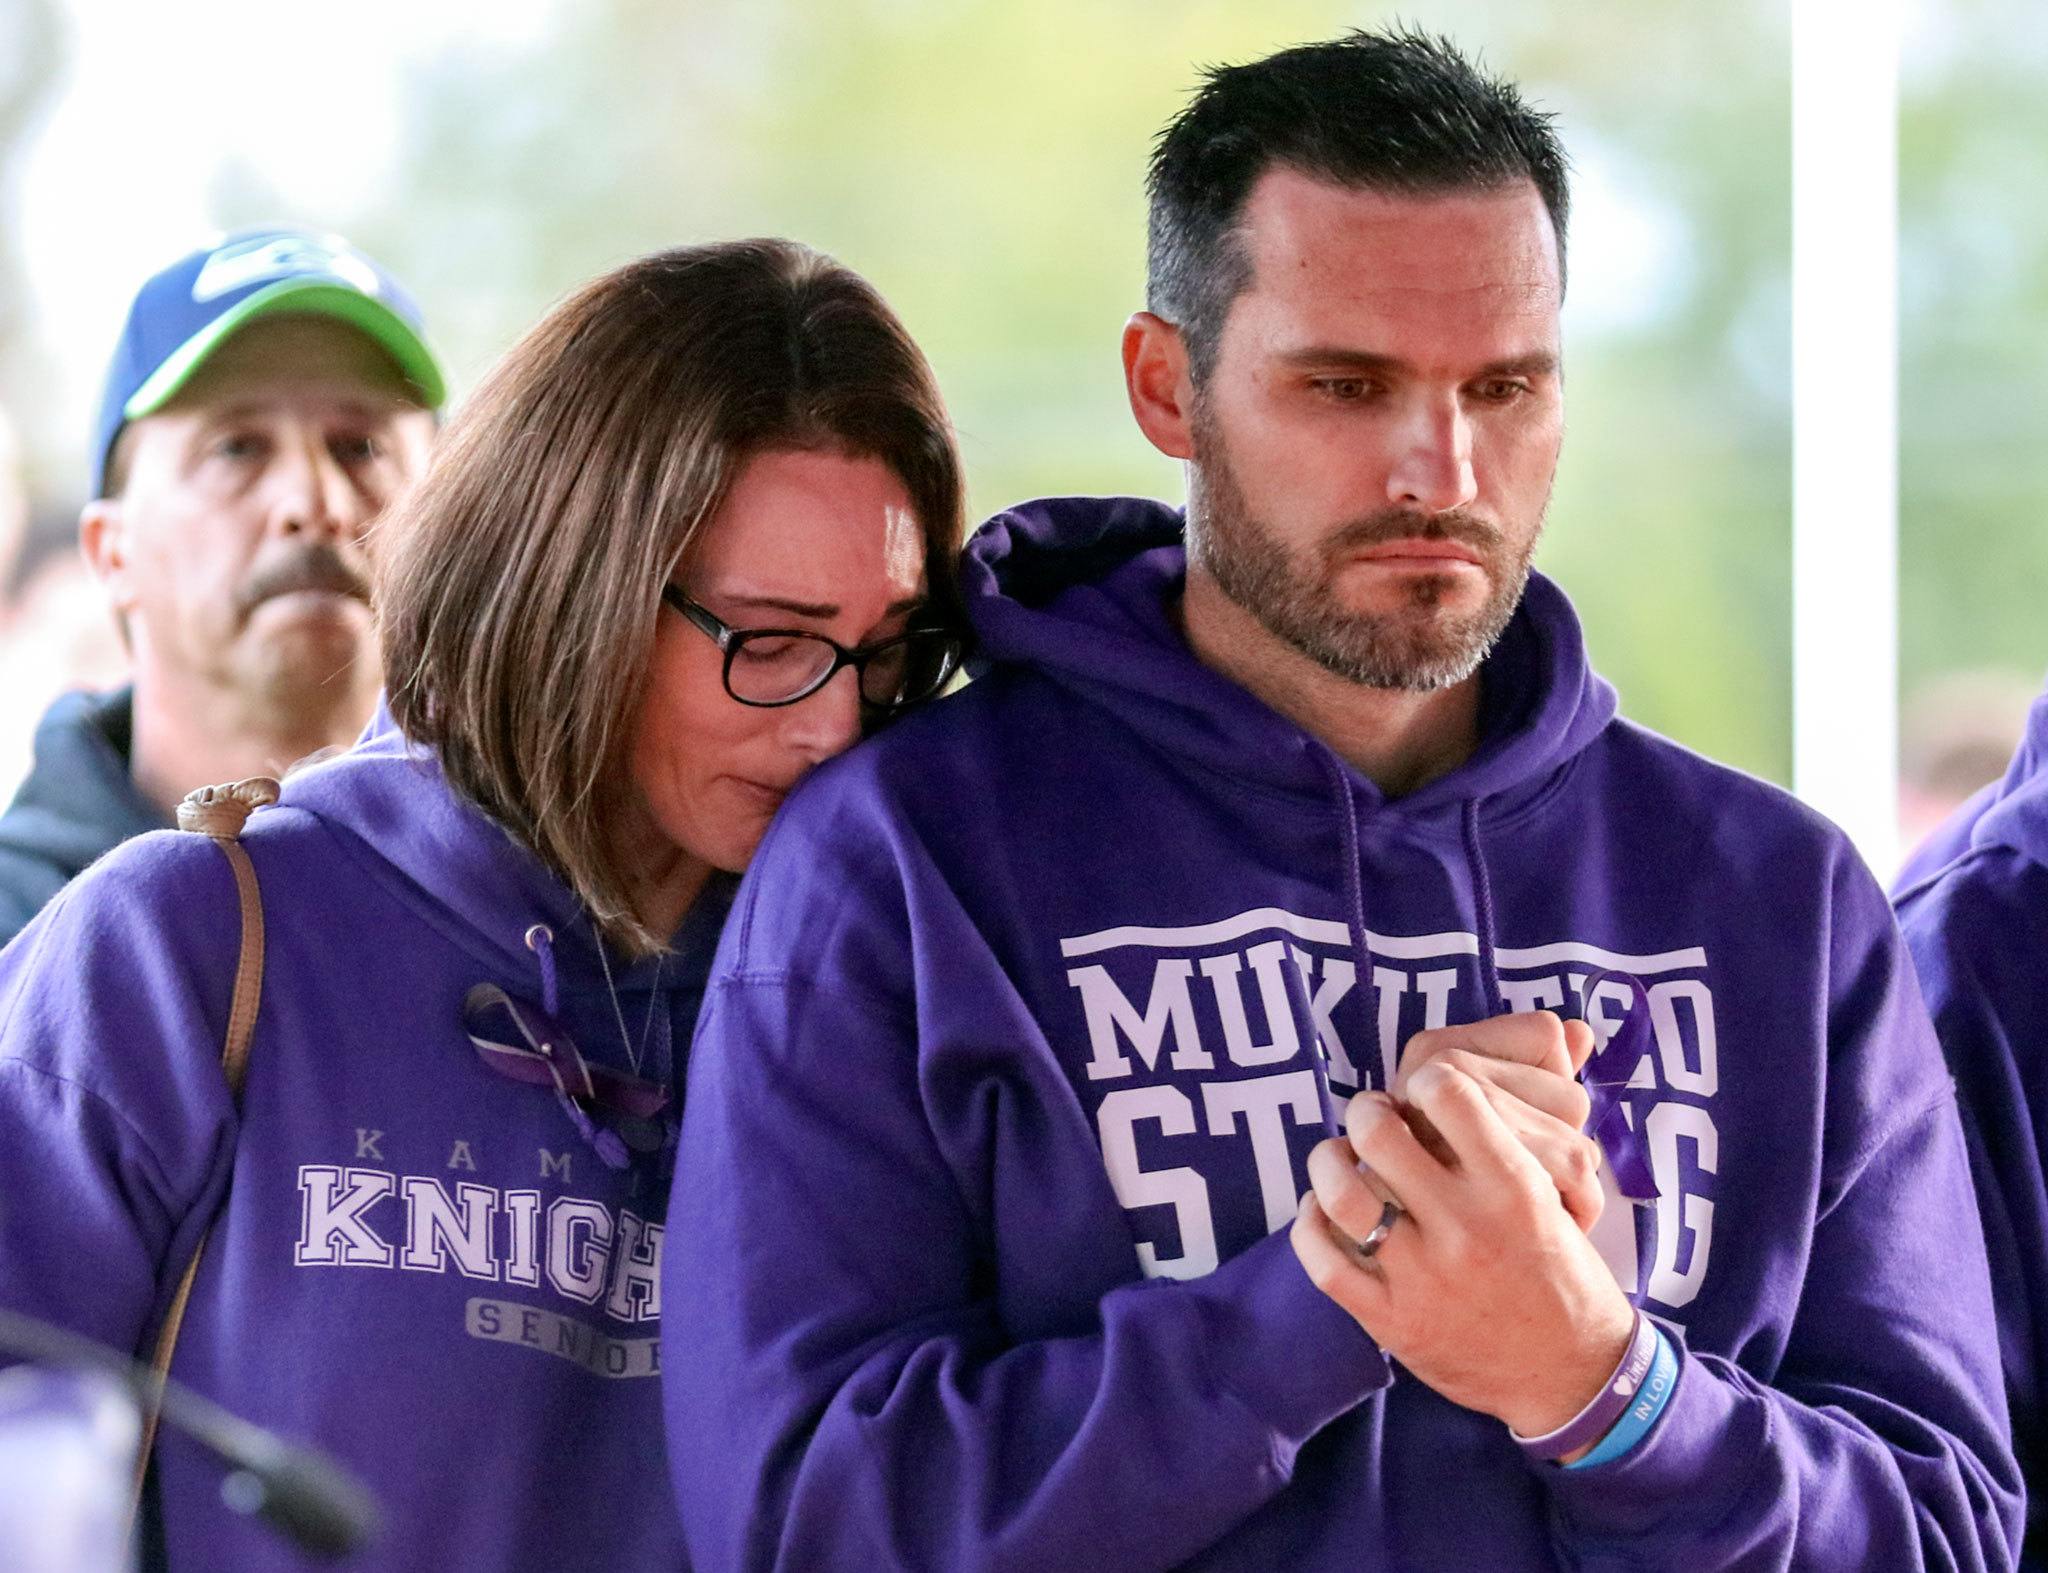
(313,1502)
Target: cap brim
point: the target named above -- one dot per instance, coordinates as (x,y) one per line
(317,297)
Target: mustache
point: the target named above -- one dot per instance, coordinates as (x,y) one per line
(315,567)
(1400,524)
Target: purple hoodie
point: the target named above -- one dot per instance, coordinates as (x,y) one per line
(421,1265)
(1977,924)
(1951,838)
(997,1113)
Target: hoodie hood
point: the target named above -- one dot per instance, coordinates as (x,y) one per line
(2015,812)
(467,875)
(2008,812)
(77,803)
(1087,591)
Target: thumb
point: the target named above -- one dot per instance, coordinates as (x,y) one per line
(1578,1043)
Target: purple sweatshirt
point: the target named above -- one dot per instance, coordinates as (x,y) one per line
(1031,1010)
(1977,925)
(421,1265)
(1951,838)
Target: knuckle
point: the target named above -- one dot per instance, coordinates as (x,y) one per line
(1427,1041)
(1328,1156)
(1526,1211)
(1458,1251)
(1589,1207)
(1578,1106)
(1464,1060)
(1366,1121)
(1418,1051)
(1339,1189)
(1357,1214)
(1445,1086)
(1321,1268)
(1431,1080)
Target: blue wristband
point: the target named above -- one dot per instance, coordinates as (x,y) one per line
(1637,1419)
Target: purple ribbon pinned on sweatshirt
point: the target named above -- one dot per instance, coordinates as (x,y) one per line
(1626,1146)
(521,1041)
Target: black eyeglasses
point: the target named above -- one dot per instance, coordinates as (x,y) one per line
(779,666)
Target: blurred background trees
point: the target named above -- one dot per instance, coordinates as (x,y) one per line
(982,162)
(1973,341)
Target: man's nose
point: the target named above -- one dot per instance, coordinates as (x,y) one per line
(1432,469)
(314,493)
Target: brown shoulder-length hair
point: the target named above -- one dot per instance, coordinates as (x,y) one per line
(518,586)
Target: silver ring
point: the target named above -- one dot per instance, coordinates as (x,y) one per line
(1369,1247)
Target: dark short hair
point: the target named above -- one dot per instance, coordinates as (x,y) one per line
(1401,112)
(518,586)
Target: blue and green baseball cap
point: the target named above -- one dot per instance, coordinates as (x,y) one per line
(187,311)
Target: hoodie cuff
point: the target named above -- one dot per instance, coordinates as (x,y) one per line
(1709,1430)
(1285,1350)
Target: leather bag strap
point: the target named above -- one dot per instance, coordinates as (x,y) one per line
(219,812)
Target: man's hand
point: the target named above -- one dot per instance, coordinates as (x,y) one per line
(1485,1289)
(1528,1065)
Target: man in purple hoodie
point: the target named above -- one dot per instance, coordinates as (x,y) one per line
(1974,908)
(1039,1016)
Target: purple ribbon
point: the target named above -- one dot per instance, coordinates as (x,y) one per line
(520,1041)
(1626,1146)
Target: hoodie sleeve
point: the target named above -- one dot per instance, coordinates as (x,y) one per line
(1881,1438)
(841,1389)
(116,1130)
(1978,937)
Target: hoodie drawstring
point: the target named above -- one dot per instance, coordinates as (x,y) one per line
(1354,885)
(1346,804)
(540,939)
(1606,1074)
(1482,901)
(609,1146)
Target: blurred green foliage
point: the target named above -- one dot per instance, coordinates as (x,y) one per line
(1973,351)
(982,162)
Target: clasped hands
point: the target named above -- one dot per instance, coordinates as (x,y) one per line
(1487,1288)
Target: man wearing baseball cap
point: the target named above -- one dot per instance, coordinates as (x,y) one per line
(269,396)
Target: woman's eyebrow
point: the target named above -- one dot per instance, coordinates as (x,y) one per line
(819,610)
(776,603)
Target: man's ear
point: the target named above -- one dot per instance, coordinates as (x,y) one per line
(1161,390)
(103,540)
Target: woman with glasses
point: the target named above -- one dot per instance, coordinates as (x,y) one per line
(689,539)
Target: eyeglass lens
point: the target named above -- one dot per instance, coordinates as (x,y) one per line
(774,668)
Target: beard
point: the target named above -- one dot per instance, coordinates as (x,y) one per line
(1417,647)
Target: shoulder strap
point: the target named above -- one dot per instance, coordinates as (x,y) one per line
(219,812)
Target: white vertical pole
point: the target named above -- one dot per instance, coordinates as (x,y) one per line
(1845,105)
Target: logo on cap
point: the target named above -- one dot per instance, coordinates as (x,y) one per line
(280,256)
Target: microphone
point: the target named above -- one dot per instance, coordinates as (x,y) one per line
(314,1503)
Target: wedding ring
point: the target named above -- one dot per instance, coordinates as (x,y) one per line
(1369,1247)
